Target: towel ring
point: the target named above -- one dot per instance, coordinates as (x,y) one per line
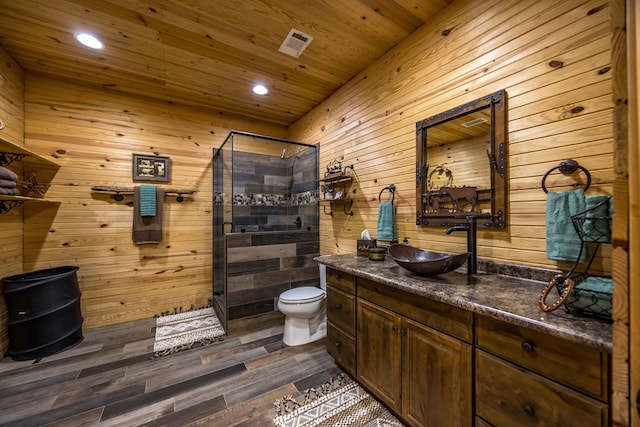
(392,190)
(567,167)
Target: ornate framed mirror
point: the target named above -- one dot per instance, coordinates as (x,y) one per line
(461,164)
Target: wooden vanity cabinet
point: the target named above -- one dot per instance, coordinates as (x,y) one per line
(435,365)
(341,319)
(527,378)
(415,355)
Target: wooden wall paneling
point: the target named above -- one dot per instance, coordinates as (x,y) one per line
(11,99)
(92,134)
(10,262)
(416,59)
(632,255)
(12,115)
(625,372)
(371,120)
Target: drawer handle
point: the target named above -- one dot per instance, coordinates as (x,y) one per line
(528,409)
(394,328)
(337,306)
(338,343)
(527,347)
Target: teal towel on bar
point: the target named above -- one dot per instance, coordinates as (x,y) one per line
(147,200)
(387,231)
(597,223)
(563,242)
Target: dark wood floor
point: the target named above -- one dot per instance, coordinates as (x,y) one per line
(110,380)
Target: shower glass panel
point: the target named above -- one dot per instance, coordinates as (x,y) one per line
(222,220)
(260,184)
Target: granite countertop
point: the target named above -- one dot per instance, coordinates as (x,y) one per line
(510,299)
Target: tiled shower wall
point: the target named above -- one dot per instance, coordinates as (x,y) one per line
(270,193)
(260,266)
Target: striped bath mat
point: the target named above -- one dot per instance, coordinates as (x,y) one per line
(339,403)
(182,331)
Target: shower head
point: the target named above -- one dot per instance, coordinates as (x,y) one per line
(284,150)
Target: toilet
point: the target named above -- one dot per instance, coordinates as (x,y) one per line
(305,312)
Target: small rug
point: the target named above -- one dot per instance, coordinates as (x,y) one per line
(340,402)
(182,331)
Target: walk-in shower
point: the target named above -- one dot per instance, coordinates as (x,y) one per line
(265,222)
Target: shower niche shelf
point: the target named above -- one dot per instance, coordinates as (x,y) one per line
(340,184)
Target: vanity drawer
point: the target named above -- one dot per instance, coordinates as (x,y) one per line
(341,309)
(342,347)
(581,367)
(438,315)
(510,396)
(342,280)
(482,423)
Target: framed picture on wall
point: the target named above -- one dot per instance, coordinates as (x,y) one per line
(151,168)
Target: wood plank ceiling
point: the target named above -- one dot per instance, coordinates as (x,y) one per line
(209,53)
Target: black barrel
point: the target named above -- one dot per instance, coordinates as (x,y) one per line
(44,312)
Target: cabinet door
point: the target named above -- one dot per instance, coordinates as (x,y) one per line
(436,378)
(378,352)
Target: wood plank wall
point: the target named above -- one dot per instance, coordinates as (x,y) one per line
(468,51)
(11,233)
(625,98)
(92,134)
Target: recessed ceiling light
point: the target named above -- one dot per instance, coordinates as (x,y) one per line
(260,89)
(89,40)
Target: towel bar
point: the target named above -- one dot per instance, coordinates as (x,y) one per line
(119,192)
(567,167)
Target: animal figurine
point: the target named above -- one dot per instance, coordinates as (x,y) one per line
(458,194)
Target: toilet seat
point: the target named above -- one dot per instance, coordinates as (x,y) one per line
(301,295)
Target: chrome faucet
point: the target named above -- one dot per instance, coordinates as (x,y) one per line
(471,228)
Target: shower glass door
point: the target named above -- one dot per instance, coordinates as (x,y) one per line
(222,222)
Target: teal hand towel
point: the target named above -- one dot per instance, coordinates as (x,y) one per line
(147,200)
(563,242)
(387,231)
(597,222)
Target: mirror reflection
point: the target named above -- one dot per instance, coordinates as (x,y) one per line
(461,164)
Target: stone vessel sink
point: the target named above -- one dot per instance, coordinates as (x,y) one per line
(425,263)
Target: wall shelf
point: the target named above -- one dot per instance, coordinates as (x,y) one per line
(9,153)
(340,183)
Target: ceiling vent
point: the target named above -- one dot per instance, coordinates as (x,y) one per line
(473,122)
(295,43)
